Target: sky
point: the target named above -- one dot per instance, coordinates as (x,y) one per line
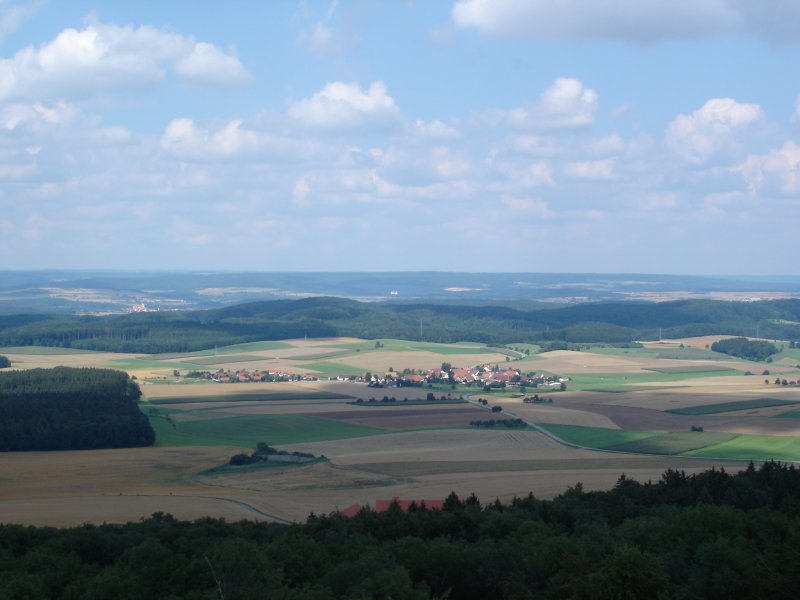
(624,136)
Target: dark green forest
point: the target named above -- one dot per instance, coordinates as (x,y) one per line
(744,348)
(71,409)
(711,535)
(618,322)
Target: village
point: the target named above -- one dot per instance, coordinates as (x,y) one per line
(486,376)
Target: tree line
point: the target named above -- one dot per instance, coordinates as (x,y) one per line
(709,535)
(71,409)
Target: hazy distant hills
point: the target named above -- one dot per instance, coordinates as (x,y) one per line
(612,322)
(117,291)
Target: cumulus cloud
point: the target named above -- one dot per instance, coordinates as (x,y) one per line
(422,166)
(184,139)
(566,104)
(103,58)
(591,169)
(777,171)
(207,64)
(346,106)
(633,21)
(434,130)
(714,128)
(35,116)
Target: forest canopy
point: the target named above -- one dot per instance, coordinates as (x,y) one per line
(743,348)
(612,322)
(71,409)
(710,535)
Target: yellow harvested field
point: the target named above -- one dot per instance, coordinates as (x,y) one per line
(442,445)
(22,360)
(693,342)
(569,362)
(548,413)
(379,362)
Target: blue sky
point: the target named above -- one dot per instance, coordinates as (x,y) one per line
(468,135)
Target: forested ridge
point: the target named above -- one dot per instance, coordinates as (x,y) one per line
(71,409)
(711,535)
(618,322)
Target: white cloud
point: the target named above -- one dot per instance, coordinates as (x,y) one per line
(421,166)
(712,129)
(435,130)
(301,190)
(12,15)
(208,65)
(321,39)
(524,175)
(566,104)
(104,58)
(633,21)
(36,115)
(346,106)
(538,208)
(778,171)
(184,139)
(592,169)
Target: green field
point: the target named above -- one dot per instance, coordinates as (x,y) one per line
(43,350)
(321,355)
(226,358)
(603,381)
(789,415)
(131,364)
(406,345)
(331,368)
(702,444)
(250,429)
(710,409)
(670,353)
(593,437)
(753,447)
(253,397)
(409,402)
(691,369)
(672,443)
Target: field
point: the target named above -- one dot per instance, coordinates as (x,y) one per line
(624,410)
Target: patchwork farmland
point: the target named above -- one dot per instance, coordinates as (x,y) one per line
(636,411)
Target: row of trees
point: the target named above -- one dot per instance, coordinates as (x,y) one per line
(510,423)
(71,409)
(710,535)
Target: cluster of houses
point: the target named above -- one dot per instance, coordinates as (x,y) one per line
(485,375)
(245,376)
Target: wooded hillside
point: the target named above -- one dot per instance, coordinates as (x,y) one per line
(618,322)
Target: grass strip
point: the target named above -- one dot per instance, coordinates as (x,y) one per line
(722,407)
(253,397)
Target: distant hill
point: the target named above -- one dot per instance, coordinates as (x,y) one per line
(613,322)
(69,292)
